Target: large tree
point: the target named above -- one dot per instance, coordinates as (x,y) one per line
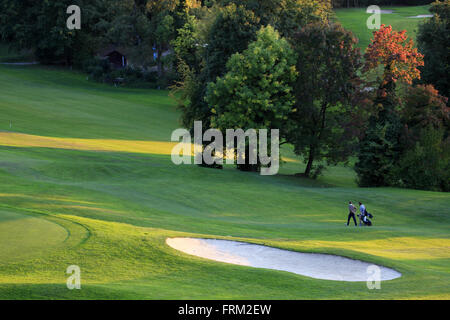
(426,164)
(424,109)
(380,150)
(228,28)
(287,16)
(433,40)
(223,32)
(256,92)
(328,62)
(396,55)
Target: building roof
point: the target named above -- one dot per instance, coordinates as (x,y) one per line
(103,52)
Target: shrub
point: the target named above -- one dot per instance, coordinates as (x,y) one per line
(427,165)
(100,70)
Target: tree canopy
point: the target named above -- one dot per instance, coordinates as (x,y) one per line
(328,62)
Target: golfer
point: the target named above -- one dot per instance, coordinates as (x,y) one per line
(362,210)
(351,213)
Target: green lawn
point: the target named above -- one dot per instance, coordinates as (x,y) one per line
(355,19)
(110,211)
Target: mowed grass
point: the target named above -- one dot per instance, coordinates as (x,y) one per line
(355,19)
(110,209)
(22,236)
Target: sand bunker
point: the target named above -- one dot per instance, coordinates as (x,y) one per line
(381,11)
(314,265)
(420,16)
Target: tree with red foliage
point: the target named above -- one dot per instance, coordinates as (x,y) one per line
(381,147)
(396,54)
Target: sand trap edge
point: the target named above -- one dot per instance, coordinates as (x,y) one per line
(314,265)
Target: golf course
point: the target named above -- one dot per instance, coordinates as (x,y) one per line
(102,197)
(400,18)
(86,179)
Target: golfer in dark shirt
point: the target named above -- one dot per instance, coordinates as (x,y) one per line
(351,213)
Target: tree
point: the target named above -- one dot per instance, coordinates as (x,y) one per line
(256,92)
(292,15)
(228,31)
(379,151)
(397,56)
(232,30)
(164,32)
(425,162)
(41,26)
(425,107)
(227,28)
(287,16)
(381,147)
(327,63)
(185,46)
(17,22)
(144,27)
(433,40)
(127,25)
(426,165)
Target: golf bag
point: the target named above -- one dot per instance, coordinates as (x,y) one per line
(365,218)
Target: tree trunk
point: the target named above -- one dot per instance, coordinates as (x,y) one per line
(310,162)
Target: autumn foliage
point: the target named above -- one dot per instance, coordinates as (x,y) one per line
(425,107)
(396,53)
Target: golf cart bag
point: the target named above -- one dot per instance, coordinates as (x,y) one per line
(365,218)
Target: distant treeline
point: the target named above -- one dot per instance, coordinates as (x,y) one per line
(366,3)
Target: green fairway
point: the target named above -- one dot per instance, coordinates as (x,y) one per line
(355,19)
(85,179)
(22,236)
